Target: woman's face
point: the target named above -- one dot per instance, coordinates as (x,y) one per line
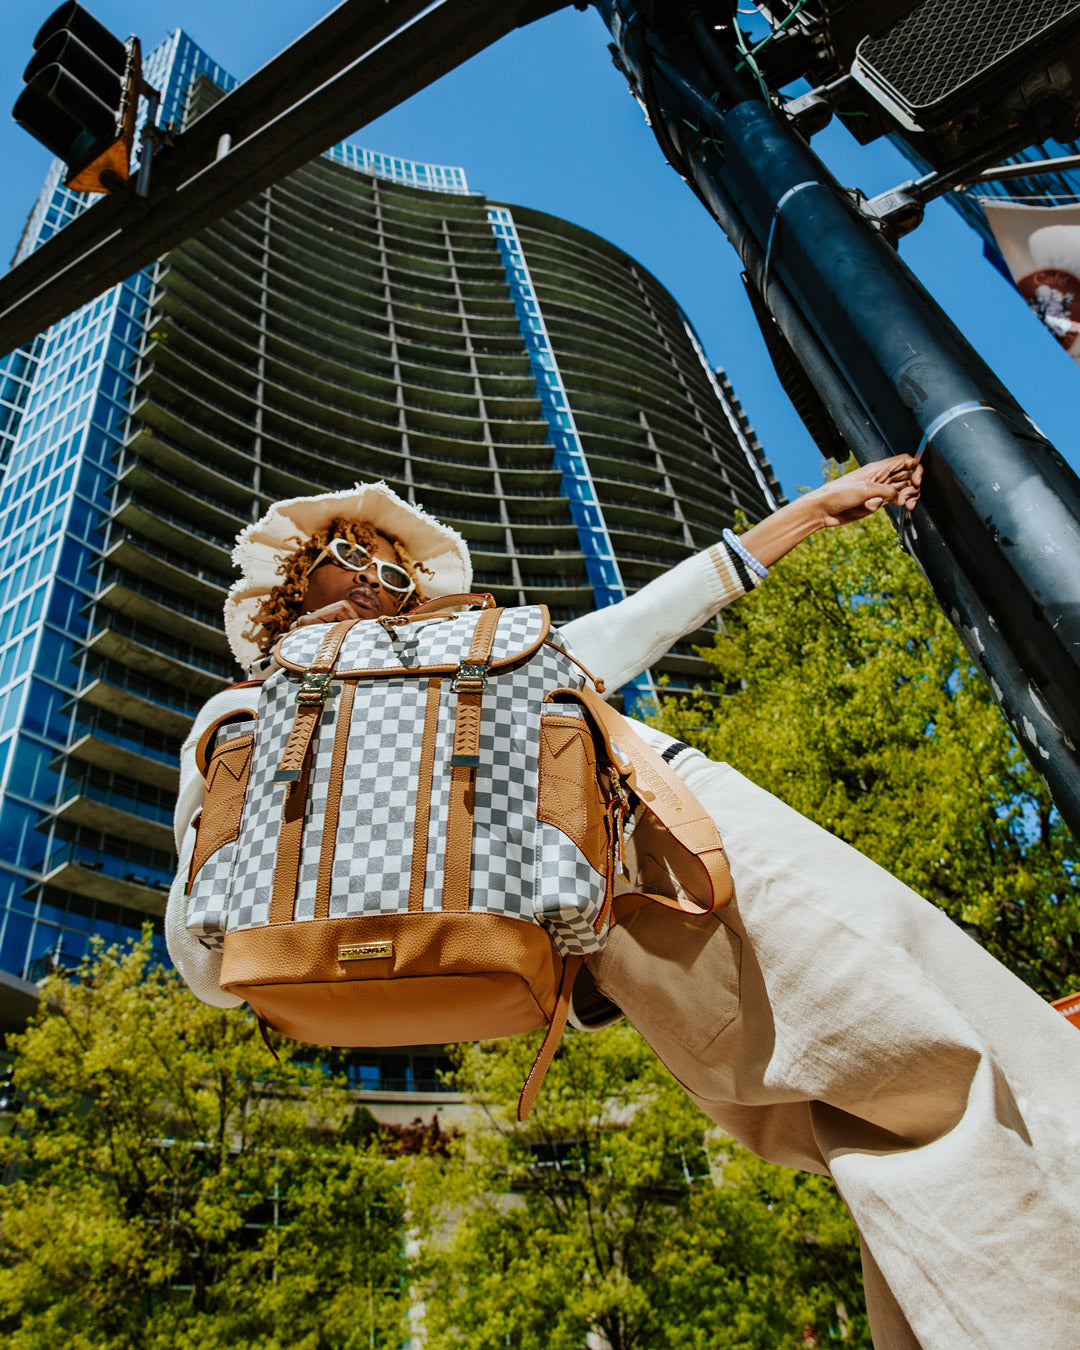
(330,584)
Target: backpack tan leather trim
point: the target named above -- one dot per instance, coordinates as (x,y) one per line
(694,861)
(569,795)
(457,864)
(204,747)
(333,802)
(483,975)
(441,1008)
(223,805)
(310,701)
(290,839)
(418,875)
(466,748)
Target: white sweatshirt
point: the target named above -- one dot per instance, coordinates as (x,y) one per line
(614,644)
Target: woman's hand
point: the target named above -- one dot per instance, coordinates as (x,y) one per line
(332,613)
(851,497)
(860,493)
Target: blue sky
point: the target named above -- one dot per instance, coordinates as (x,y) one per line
(543,119)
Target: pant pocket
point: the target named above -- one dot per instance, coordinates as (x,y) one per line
(676,977)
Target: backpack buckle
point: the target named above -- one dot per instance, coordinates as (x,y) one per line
(471,678)
(313,687)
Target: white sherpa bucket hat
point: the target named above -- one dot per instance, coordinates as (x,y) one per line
(263,549)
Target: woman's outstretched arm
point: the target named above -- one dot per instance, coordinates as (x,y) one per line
(853,496)
(622,640)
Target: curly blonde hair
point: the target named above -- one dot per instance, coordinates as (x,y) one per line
(284,602)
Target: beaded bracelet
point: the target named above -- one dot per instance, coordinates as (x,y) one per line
(737,546)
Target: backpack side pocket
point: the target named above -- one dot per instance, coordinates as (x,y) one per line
(572,845)
(217,830)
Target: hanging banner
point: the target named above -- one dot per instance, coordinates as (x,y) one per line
(1041,245)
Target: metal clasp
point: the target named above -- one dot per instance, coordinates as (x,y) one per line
(618,791)
(471,678)
(620,811)
(313,687)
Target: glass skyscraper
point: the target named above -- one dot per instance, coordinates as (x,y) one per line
(367,317)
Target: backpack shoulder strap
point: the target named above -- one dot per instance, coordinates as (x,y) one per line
(670,801)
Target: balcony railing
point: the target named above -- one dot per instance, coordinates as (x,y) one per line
(105,727)
(170,518)
(167,555)
(184,652)
(115,576)
(137,871)
(134,682)
(171,480)
(160,811)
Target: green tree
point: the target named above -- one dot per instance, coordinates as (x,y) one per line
(171,1185)
(850,697)
(615,1210)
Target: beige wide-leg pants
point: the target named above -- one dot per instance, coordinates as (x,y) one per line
(833,1020)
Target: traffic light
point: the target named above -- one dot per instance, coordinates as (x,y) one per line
(81,97)
(952,79)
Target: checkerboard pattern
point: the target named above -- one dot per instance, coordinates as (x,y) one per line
(569,893)
(301,645)
(428,642)
(521,868)
(208,912)
(375,831)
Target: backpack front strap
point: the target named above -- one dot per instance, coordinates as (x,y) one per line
(310,700)
(469,685)
(294,771)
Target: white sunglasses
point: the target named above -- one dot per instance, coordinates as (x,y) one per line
(356,558)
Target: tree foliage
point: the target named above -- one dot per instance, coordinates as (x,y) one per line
(614,1213)
(171,1185)
(851,698)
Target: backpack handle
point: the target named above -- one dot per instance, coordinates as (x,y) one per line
(441,603)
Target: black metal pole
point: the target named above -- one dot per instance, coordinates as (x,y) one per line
(998,529)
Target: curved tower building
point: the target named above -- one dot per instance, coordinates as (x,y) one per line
(524,379)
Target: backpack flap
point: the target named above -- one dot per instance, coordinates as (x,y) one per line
(425,645)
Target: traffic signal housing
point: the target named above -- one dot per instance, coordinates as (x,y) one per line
(81,97)
(954,80)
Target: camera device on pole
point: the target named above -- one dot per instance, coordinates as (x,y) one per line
(81,98)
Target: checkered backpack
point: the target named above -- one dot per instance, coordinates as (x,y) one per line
(420,832)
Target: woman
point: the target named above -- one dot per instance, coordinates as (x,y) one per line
(828,1017)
